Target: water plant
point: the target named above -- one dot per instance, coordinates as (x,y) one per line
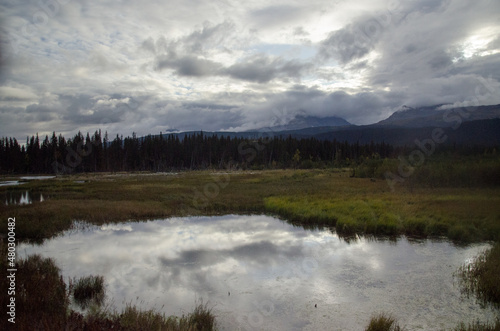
(88,290)
(383,322)
(481,277)
(43,303)
(478,326)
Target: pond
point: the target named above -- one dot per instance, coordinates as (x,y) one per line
(23,180)
(260,273)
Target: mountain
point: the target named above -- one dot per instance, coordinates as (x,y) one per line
(303,122)
(438,116)
(480,132)
(470,126)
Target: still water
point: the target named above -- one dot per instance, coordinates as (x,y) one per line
(260,273)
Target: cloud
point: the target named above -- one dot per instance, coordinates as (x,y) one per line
(149,66)
(275,15)
(348,44)
(188,66)
(8,93)
(261,68)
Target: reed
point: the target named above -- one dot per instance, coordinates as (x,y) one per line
(478,326)
(383,322)
(88,290)
(481,277)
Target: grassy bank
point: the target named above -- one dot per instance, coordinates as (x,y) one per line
(309,197)
(43,303)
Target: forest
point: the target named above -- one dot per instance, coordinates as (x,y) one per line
(196,151)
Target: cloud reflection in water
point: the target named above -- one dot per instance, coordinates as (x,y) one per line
(274,271)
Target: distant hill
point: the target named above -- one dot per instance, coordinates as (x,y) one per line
(303,122)
(437,116)
(481,132)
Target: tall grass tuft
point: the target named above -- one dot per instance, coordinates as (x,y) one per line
(88,290)
(481,277)
(202,318)
(478,326)
(133,319)
(383,322)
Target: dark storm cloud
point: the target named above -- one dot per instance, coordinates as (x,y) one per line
(208,36)
(262,69)
(187,117)
(347,44)
(84,109)
(198,42)
(189,56)
(187,66)
(363,107)
(39,113)
(486,66)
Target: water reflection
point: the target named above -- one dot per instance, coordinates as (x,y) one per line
(10,183)
(37,177)
(22,198)
(275,273)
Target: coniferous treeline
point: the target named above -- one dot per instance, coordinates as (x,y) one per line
(97,153)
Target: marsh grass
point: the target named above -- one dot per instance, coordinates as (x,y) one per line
(43,303)
(309,197)
(41,294)
(413,215)
(131,318)
(481,277)
(478,326)
(88,290)
(383,322)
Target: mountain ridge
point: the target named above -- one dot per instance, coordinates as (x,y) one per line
(473,125)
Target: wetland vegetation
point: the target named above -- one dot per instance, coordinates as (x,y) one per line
(43,302)
(309,197)
(463,210)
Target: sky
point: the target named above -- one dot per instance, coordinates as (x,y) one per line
(160,66)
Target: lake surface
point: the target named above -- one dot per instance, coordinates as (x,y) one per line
(260,273)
